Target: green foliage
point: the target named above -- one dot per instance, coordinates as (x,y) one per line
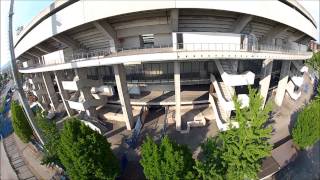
(167,160)
(85,153)
(20,122)
(238,152)
(306,131)
(51,137)
(314,61)
(212,166)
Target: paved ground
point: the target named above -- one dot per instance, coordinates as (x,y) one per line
(305,167)
(6,171)
(285,115)
(15,158)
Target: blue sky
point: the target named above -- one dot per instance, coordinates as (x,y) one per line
(25,10)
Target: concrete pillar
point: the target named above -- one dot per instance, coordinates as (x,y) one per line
(266,71)
(85,92)
(177,91)
(121,81)
(64,94)
(203,70)
(282,85)
(48,83)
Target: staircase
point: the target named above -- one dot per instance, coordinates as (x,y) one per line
(294,94)
(221,117)
(230,78)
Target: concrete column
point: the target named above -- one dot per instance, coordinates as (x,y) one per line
(203,70)
(177,91)
(85,92)
(282,85)
(48,83)
(121,81)
(64,94)
(266,71)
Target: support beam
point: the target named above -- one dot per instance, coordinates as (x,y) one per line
(85,92)
(293,37)
(64,94)
(43,49)
(174,19)
(266,71)
(177,93)
(48,83)
(67,41)
(282,85)
(121,81)
(107,30)
(241,23)
(32,55)
(274,32)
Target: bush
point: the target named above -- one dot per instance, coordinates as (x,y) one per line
(51,137)
(167,160)
(20,123)
(86,154)
(238,152)
(306,130)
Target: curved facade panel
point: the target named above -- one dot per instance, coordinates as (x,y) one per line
(86,11)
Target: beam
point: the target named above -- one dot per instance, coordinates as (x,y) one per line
(274,32)
(174,19)
(264,83)
(48,83)
(293,37)
(283,82)
(33,56)
(67,41)
(121,81)
(241,23)
(107,30)
(64,94)
(43,49)
(177,95)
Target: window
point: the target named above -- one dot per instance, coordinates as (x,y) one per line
(147,40)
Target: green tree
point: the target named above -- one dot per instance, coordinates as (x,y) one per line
(86,154)
(314,61)
(238,152)
(20,123)
(306,130)
(167,160)
(51,137)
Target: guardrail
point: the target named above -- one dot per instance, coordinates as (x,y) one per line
(178,47)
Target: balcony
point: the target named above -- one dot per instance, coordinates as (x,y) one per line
(169,52)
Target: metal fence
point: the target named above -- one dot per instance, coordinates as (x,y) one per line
(182,47)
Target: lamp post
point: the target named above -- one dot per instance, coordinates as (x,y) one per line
(17,80)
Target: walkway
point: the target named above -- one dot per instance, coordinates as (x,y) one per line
(16,160)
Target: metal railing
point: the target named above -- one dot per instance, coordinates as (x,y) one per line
(179,47)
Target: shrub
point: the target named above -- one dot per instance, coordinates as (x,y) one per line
(20,123)
(167,160)
(306,130)
(51,137)
(86,154)
(238,152)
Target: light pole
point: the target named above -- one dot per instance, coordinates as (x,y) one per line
(17,80)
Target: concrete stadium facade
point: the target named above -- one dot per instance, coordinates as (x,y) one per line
(85,56)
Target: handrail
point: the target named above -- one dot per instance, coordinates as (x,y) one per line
(179,47)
